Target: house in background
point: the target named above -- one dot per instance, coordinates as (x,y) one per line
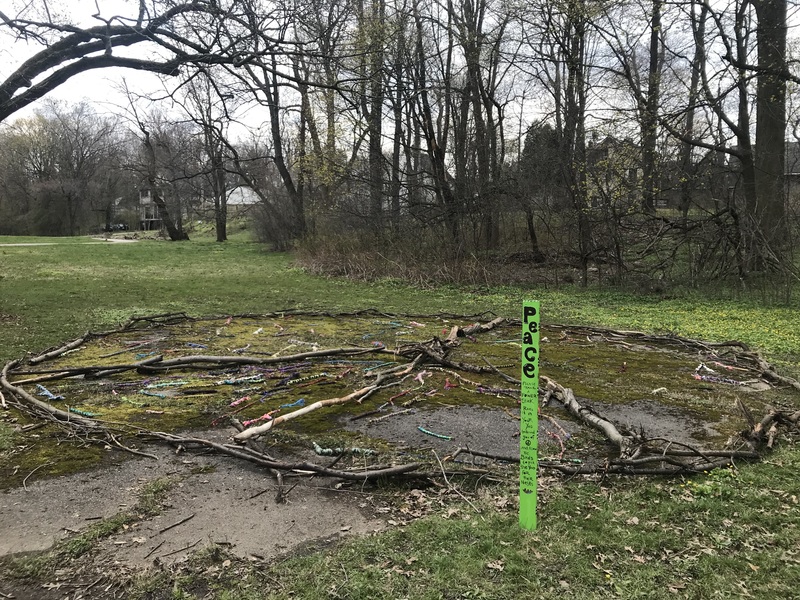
(149,215)
(241,200)
(792,173)
(613,172)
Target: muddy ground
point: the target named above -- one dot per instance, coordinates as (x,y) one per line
(230,502)
(219,501)
(215,501)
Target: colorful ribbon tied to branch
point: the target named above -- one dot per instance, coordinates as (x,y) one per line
(713,379)
(297,403)
(82,413)
(264,417)
(239,401)
(43,391)
(436,435)
(340,451)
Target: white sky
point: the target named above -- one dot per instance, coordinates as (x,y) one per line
(97,86)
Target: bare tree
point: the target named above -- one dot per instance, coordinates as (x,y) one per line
(205,101)
(183,33)
(62,165)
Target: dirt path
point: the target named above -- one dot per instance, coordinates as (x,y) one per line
(234,504)
(225,502)
(94,241)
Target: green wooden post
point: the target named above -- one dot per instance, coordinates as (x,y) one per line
(529,415)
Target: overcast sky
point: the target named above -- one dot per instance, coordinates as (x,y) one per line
(98,86)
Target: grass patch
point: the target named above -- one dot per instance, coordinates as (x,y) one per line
(52,293)
(727,535)
(8,437)
(41,454)
(718,536)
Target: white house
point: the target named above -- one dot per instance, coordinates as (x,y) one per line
(242,198)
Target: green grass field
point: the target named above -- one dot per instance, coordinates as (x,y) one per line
(729,534)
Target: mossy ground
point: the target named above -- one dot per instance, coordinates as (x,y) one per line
(600,369)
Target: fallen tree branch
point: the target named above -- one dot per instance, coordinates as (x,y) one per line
(768,372)
(181,522)
(627,444)
(673,340)
(499,373)
(358,395)
(451,487)
(61,415)
(667,449)
(160,319)
(457,332)
(91,370)
(59,351)
(24,481)
(255,446)
(155,363)
(252,456)
(512,459)
(53,377)
(624,469)
(187,547)
(431,350)
(767,427)
(261,429)
(255,360)
(122,446)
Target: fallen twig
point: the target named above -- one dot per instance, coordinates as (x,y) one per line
(182,549)
(455,489)
(394,414)
(43,406)
(513,459)
(25,487)
(181,522)
(152,551)
(120,445)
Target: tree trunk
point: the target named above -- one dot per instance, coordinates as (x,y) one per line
(296,222)
(574,138)
(687,168)
(650,177)
(176,234)
(535,250)
(769,215)
(220,197)
(375,117)
(397,141)
(436,152)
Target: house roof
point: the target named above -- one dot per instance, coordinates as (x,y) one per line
(792,158)
(242,196)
